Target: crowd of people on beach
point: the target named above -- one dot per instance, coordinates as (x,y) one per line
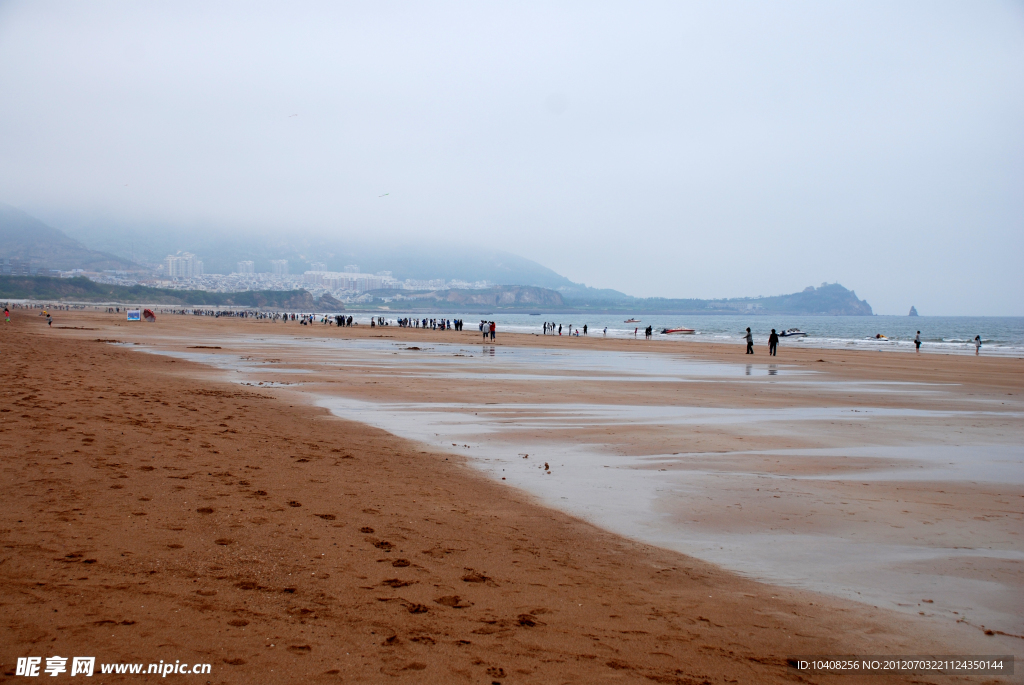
(488,329)
(549,327)
(432,324)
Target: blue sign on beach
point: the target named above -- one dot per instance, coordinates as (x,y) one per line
(135,315)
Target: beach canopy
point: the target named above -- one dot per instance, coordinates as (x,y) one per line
(148,315)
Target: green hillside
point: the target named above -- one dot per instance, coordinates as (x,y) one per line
(84,290)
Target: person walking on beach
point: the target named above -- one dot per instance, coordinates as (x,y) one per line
(635,331)
(977,345)
(606,331)
(493,329)
(773,343)
(917,342)
(49,320)
(7,315)
(584,329)
(750,341)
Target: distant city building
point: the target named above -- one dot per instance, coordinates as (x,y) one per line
(183,265)
(343,281)
(384,274)
(246,267)
(317,266)
(433,284)
(279,267)
(352,268)
(17,267)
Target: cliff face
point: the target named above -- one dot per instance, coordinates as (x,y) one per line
(827,299)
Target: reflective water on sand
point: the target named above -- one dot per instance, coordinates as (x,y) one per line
(866,502)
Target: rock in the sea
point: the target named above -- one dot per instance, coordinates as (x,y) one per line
(913,311)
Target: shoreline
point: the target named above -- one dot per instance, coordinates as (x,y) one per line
(955,347)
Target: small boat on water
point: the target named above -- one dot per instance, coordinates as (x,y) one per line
(792,333)
(631,321)
(684,331)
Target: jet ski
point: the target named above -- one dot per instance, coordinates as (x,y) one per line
(792,333)
(678,330)
(631,321)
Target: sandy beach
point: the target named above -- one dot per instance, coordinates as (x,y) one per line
(292,503)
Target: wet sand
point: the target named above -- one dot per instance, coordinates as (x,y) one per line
(157,509)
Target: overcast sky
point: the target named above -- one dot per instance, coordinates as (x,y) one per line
(679,149)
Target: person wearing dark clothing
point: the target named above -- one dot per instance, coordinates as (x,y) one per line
(773,343)
(750,341)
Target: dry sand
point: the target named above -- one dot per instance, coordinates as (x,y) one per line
(154,510)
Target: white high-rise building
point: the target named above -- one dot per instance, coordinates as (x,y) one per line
(351,268)
(183,265)
(317,266)
(246,267)
(279,267)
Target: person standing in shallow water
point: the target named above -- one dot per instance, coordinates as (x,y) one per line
(750,341)
(977,345)
(773,343)
(917,342)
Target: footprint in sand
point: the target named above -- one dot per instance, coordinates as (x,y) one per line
(395,582)
(453,601)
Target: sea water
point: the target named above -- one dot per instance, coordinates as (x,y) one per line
(950,334)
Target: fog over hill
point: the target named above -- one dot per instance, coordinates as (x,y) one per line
(24,237)
(518,281)
(221,250)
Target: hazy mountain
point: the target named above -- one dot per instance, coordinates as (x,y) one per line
(112,245)
(221,251)
(24,237)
